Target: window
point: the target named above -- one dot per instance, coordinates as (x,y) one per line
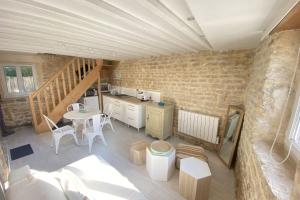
(295,128)
(17,80)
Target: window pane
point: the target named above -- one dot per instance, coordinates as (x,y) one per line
(28,79)
(11,79)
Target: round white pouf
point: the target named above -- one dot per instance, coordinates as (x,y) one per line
(160,166)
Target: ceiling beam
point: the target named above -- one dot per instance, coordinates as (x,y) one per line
(290,21)
(60,37)
(48,11)
(10,17)
(282,9)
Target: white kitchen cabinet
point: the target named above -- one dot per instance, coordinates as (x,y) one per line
(135,115)
(118,109)
(129,113)
(106,102)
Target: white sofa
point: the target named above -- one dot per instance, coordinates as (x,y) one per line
(89,178)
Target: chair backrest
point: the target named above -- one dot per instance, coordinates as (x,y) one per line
(97,123)
(75,106)
(50,123)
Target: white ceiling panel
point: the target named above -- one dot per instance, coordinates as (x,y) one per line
(108,29)
(122,29)
(234,24)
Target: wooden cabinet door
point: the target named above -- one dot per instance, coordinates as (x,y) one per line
(154,122)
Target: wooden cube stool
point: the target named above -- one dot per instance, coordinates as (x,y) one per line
(138,152)
(194,179)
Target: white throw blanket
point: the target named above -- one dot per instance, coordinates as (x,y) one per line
(90,178)
(99,180)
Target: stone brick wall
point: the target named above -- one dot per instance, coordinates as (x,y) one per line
(16,110)
(296,191)
(267,89)
(205,82)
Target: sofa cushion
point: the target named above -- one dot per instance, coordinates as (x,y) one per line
(72,186)
(42,186)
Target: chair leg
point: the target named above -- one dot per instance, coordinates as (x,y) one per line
(102,138)
(56,145)
(75,138)
(111,125)
(91,139)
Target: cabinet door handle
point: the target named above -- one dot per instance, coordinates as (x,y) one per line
(148,117)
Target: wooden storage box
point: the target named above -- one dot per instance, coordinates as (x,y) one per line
(138,152)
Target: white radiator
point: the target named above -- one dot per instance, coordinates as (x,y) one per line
(200,126)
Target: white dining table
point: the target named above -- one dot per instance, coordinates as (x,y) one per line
(80,115)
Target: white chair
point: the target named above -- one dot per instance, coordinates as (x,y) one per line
(92,128)
(75,106)
(107,118)
(58,133)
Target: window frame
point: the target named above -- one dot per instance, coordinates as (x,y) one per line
(18,66)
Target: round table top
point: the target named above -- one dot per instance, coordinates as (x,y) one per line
(80,115)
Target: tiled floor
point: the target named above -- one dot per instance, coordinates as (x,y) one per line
(117,154)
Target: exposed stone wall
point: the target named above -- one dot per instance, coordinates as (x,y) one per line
(296,191)
(205,82)
(267,89)
(16,110)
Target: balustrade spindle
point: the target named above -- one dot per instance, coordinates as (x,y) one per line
(74,74)
(58,90)
(89,65)
(79,71)
(52,95)
(64,84)
(83,67)
(46,101)
(69,78)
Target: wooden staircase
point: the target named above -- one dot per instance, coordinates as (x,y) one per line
(62,89)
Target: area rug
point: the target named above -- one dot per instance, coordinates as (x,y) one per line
(20,152)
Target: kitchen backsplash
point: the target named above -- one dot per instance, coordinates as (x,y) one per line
(155,96)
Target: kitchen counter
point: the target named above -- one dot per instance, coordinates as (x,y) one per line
(128,99)
(127,109)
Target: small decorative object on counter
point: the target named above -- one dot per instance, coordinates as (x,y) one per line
(161,103)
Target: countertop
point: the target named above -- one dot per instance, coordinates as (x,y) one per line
(128,99)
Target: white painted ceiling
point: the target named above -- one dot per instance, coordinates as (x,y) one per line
(122,29)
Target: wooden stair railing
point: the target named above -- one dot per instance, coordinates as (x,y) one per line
(63,88)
